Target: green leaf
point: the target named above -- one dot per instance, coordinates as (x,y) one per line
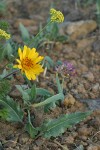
(15,113)
(48,62)
(24,93)
(2,7)
(98,6)
(51,99)
(24,32)
(4,88)
(29,127)
(8,50)
(31,130)
(62,38)
(43,92)
(33,92)
(60,89)
(3,113)
(54,31)
(49,106)
(56,127)
(4,25)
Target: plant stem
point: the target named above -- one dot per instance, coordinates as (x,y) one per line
(39,33)
(11,74)
(49,100)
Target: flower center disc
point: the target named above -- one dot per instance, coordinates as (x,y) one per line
(27,63)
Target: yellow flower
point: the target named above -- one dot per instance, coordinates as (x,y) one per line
(56,16)
(29,62)
(4,34)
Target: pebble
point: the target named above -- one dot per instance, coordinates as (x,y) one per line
(84,131)
(96,87)
(10,144)
(92,147)
(84,43)
(89,76)
(23,139)
(69,139)
(69,100)
(73,28)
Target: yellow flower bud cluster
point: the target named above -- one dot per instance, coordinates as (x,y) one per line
(4,34)
(56,16)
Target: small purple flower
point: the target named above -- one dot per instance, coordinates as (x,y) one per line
(66,69)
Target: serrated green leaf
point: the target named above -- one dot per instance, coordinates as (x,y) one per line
(49,106)
(4,88)
(8,50)
(31,130)
(33,92)
(48,62)
(15,113)
(43,92)
(55,127)
(60,89)
(24,32)
(54,31)
(24,93)
(51,99)
(3,113)
(29,127)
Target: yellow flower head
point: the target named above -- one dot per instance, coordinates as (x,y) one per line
(56,16)
(29,62)
(4,34)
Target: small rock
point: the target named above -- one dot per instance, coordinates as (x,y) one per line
(69,139)
(23,139)
(84,138)
(15,93)
(96,87)
(58,46)
(84,43)
(69,100)
(25,147)
(83,68)
(81,88)
(74,134)
(89,76)
(96,46)
(92,147)
(84,131)
(83,143)
(73,28)
(9,144)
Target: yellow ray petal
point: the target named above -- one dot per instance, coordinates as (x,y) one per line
(20,53)
(25,51)
(18,61)
(40,58)
(27,75)
(32,53)
(37,69)
(19,66)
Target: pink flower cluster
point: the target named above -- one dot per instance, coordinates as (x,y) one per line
(66,69)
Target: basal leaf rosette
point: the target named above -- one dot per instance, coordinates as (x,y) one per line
(29,62)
